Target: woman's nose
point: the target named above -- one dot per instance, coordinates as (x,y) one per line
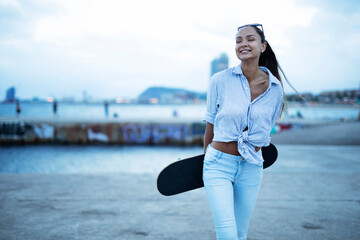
(243,44)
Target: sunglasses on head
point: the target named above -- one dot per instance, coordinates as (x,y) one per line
(257,25)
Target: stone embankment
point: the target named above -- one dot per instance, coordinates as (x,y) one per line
(14,131)
(162,132)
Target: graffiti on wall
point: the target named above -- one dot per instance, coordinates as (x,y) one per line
(25,130)
(97,136)
(14,128)
(124,133)
(154,133)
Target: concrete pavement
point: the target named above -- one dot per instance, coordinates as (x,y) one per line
(311,192)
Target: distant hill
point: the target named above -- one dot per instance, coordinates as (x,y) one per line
(170,95)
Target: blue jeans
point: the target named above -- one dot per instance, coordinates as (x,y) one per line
(232,186)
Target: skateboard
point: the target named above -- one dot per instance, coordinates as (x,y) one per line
(185,175)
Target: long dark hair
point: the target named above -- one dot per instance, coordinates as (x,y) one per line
(268,60)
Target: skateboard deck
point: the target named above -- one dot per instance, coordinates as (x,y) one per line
(186,174)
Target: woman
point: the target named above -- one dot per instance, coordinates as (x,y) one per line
(243,104)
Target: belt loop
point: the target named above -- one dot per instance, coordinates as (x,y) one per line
(207,148)
(219,155)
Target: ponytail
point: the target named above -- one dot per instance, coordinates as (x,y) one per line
(268,60)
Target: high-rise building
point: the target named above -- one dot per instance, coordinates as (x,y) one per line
(219,64)
(10,95)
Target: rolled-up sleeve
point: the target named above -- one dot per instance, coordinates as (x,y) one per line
(211,102)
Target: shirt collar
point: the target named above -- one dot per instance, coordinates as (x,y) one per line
(272,78)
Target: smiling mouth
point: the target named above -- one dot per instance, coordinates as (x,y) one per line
(245,51)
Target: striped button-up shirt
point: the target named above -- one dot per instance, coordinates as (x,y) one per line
(230,110)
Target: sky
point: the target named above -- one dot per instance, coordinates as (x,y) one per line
(115,48)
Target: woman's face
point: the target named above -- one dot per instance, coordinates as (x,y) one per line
(248,44)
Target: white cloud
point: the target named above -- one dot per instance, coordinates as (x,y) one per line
(327,52)
(119,48)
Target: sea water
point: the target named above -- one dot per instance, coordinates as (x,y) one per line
(64,159)
(71,159)
(102,159)
(155,111)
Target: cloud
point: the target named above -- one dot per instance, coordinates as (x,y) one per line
(327,51)
(115,48)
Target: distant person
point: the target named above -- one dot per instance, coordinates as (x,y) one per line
(106,106)
(243,105)
(298,114)
(175,113)
(18,107)
(55,107)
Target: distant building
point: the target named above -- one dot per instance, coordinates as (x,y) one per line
(350,96)
(10,95)
(340,97)
(219,64)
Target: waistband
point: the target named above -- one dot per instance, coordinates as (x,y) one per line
(217,154)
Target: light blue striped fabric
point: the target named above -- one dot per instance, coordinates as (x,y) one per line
(230,110)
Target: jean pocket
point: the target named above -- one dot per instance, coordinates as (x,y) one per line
(210,159)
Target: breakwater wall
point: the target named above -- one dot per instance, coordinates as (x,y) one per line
(75,132)
(150,132)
